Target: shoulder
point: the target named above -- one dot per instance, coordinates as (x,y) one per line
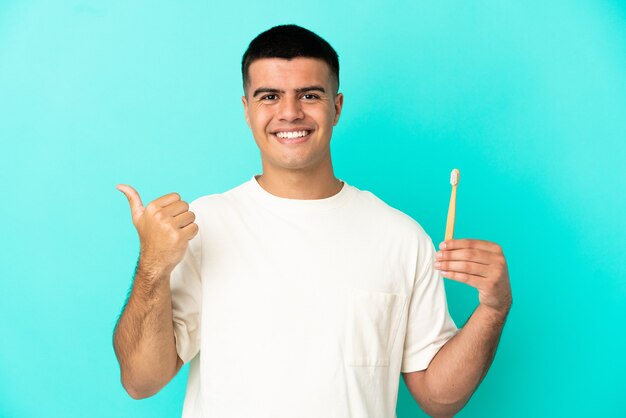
(215,201)
(387,216)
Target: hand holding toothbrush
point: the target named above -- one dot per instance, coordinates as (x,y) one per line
(478,263)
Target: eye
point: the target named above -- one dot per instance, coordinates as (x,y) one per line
(311,96)
(269,97)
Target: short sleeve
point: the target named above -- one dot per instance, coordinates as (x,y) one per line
(186,289)
(429,324)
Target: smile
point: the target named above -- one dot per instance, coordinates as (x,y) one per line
(292,137)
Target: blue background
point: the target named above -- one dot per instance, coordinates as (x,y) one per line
(527,98)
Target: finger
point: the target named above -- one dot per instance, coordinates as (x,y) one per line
(475,256)
(166,200)
(184,219)
(468,267)
(478,244)
(190,230)
(136,207)
(468,279)
(175,208)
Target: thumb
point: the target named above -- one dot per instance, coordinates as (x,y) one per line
(136,207)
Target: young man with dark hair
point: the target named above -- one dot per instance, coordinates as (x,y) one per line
(296,294)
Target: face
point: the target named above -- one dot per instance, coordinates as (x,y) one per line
(291,108)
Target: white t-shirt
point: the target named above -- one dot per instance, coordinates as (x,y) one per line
(304,308)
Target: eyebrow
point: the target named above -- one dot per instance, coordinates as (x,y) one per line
(300,90)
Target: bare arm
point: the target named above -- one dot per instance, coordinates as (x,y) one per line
(144,339)
(458,368)
(144,336)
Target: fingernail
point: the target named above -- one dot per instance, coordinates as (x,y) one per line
(442,246)
(437,264)
(438,255)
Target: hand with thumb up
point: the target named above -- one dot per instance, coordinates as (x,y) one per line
(165,227)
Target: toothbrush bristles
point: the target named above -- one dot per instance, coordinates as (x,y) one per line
(454,177)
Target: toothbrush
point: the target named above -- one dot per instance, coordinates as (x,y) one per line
(455,175)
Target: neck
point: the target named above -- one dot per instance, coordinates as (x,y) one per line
(300,184)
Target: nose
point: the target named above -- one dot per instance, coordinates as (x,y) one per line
(290,109)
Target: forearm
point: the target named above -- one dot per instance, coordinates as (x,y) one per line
(144,336)
(462,363)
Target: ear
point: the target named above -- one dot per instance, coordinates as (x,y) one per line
(338,107)
(245,110)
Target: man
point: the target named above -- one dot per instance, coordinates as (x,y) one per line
(296,294)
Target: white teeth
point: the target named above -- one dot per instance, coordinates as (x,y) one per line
(291,135)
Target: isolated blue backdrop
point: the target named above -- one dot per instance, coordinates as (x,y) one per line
(527,98)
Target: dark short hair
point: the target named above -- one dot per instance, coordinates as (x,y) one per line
(289,41)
